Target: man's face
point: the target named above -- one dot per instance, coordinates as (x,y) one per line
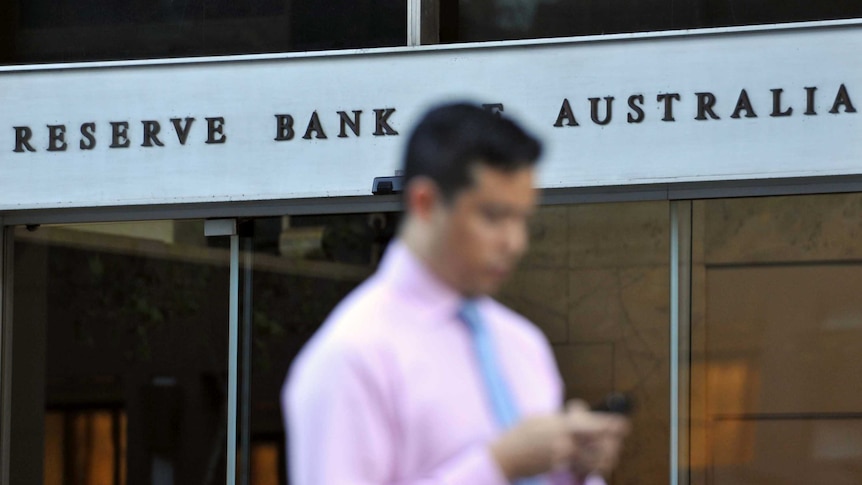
(483,229)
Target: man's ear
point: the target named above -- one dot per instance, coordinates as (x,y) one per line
(422,197)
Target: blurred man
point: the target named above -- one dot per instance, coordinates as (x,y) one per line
(418,377)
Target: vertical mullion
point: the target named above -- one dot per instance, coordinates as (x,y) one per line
(245,407)
(680,334)
(233,343)
(414,22)
(674,343)
(5,351)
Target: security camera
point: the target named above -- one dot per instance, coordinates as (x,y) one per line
(387,185)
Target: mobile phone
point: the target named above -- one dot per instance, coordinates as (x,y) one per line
(616,402)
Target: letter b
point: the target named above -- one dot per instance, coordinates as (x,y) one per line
(284,127)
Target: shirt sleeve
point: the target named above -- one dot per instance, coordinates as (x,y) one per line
(342,429)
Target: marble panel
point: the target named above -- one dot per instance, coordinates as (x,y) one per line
(595,310)
(627,310)
(619,234)
(549,233)
(587,369)
(642,369)
(615,304)
(541,295)
(646,455)
(776,229)
(591,371)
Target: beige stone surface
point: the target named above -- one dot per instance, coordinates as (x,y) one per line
(646,457)
(549,232)
(541,295)
(624,303)
(625,309)
(595,309)
(596,281)
(619,234)
(592,370)
(587,369)
(776,229)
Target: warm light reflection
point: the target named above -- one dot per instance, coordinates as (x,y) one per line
(733,387)
(84,444)
(264,464)
(123,447)
(54,444)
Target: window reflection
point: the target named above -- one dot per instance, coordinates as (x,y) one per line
(85,447)
(594,280)
(479,20)
(120,357)
(777,323)
(302,266)
(92,30)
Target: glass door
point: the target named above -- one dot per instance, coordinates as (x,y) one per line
(595,281)
(147,353)
(776,336)
(293,271)
(119,362)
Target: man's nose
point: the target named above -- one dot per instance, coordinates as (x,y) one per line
(516,238)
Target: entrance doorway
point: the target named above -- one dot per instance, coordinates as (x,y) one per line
(122,363)
(119,359)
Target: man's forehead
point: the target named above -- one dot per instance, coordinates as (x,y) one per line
(503,187)
(482,171)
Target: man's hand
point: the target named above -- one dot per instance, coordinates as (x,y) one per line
(578,439)
(535,445)
(598,439)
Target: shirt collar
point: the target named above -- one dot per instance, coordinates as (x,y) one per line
(411,277)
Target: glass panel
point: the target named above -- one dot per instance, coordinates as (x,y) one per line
(787,452)
(595,281)
(479,20)
(302,267)
(777,323)
(88,30)
(120,355)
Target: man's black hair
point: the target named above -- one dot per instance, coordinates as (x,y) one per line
(451,139)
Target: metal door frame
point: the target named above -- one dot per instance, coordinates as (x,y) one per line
(5,349)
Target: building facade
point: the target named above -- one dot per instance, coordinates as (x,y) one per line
(186,189)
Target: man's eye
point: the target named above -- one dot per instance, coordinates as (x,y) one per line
(493,215)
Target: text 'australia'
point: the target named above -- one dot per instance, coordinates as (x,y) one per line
(704,106)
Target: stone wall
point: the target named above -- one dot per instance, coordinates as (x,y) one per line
(596,280)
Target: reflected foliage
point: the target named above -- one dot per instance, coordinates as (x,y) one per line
(480,20)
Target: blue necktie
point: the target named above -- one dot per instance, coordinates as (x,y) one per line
(505,409)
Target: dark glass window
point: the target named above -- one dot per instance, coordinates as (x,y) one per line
(480,20)
(39,31)
(121,355)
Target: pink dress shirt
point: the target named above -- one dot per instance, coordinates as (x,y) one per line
(388,391)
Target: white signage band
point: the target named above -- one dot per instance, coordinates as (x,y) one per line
(732,105)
